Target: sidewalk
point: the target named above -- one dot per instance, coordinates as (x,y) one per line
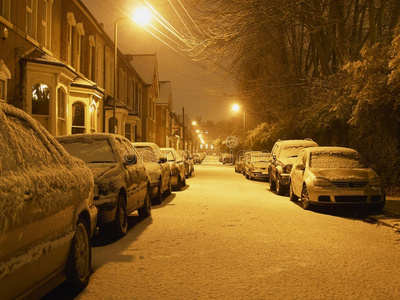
(391,214)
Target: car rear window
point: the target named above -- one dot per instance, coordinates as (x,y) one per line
(90,150)
(147,154)
(337,160)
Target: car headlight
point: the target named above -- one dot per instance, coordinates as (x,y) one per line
(287,169)
(375,183)
(322,182)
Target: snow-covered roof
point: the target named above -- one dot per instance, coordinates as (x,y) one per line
(146,66)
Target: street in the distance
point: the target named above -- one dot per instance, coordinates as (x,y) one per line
(225,237)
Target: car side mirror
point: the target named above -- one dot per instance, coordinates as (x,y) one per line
(162,160)
(301,167)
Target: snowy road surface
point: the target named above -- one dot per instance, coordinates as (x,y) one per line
(225,237)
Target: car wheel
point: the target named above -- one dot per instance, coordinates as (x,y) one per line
(184,182)
(121,218)
(80,257)
(145,210)
(159,198)
(280,190)
(169,189)
(272,184)
(292,196)
(305,200)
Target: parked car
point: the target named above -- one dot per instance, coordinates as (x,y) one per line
(47,216)
(158,169)
(196,158)
(228,158)
(239,163)
(187,161)
(256,164)
(334,176)
(283,155)
(122,184)
(178,178)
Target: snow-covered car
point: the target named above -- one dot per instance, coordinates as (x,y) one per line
(158,168)
(283,155)
(178,178)
(256,164)
(187,161)
(196,158)
(334,176)
(122,184)
(228,158)
(239,163)
(47,216)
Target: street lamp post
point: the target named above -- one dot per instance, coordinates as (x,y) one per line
(116,71)
(236,107)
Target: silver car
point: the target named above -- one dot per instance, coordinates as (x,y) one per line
(178,178)
(158,168)
(334,175)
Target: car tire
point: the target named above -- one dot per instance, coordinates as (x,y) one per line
(80,257)
(184,182)
(121,217)
(272,184)
(145,210)
(292,196)
(169,189)
(305,200)
(280,190)
(159,197)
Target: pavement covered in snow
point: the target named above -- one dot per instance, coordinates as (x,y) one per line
(225,237)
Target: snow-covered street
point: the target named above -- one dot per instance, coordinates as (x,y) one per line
(225,237)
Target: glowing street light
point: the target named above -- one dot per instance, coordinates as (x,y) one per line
(194,123)
(236,108)
(142,16)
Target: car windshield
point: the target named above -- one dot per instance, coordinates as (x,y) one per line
(169,155)
(292,150)
(337,160)
(90,150)
(147,154)
(262,157)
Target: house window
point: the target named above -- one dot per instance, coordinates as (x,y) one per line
(5,9)
(31,18)
(81,33)
(130,93)
(130,132)
(78,118)
(5,74)
(45,19)
(61,112)
(93,113)
(113,125)
(40,99)
(71,37)
(92,58)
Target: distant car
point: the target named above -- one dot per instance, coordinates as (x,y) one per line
(196,158)
(122,184)
(283,155)
(256,165)
(334,176)
(178,178)
(239,163)
(228,158)
(47,216)
(158,168)
(188,162)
